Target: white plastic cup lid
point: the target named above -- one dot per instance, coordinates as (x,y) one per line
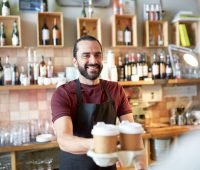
(102,129)
(130,127)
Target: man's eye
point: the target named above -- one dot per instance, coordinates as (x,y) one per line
(86,55)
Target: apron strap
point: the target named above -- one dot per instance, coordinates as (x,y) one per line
(78,90)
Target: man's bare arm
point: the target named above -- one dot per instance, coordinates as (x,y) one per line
(67,142)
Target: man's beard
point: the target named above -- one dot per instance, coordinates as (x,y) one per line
(93,75)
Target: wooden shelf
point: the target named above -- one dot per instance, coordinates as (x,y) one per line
(8,28)
(30,87)
(124,84)
(192,30)
(89,26)
(33,146)
(119,23)
(155,31)
(183,81)
(142,82)
(49,17)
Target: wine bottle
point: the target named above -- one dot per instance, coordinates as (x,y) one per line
(2,35)
(45,34)
(35,68)
(7,72)
(5,8)
(56,33)
(1,73)
(43,6)
(15,34)
(49,68)
(30,72)
(127,35)
(43,68)
(83,12)
(84,30)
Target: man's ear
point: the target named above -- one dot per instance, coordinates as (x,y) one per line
(74,62)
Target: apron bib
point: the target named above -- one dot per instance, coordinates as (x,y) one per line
(87,115)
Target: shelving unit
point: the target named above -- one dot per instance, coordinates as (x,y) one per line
(192,30)
(8,26)
(156,33)
(119,22)
(89,26)
(49,17)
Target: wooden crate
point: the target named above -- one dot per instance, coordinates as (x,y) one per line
(49,17)
(119,22)
(92,26)
(151,31)
(192,30)
(8,28)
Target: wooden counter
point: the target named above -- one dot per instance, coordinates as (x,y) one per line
(151,132)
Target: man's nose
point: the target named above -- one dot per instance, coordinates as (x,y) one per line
(93,59)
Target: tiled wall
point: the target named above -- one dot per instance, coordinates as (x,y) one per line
(31,104)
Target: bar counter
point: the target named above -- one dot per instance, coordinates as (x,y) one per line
(150,132)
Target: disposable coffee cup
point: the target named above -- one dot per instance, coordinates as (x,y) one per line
(131,136)
(105,137)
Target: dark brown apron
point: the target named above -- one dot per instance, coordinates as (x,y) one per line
(87,115)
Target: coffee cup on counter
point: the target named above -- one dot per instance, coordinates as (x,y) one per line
(105,137)
(131,136)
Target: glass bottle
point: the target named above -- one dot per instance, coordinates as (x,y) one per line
(15,75)
(30,72)
(127,35)
(120,37)
(84,30)
(5,8)
(90,8)
(56,33)
(45,34)
(43,6)
(133,65)
(22,75)
(121,7)
(43,68)
(115,7)
(162,66)
(139,66)
(15,34)
(2,35)
(155,67)
(35,67)
(120,69)
(144,66)
(1,73)
(169,74)
(49,68)
(83,12)
(7,72)
(160,36)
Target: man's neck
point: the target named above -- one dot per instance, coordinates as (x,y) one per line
(83,80)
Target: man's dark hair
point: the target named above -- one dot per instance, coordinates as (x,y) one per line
(84,38)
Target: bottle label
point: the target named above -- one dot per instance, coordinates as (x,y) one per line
(36,71)
(50,71)
(56,34)
(140,70)
(155,69)
(2,41)
(15,40)
(7,74)
(168,70)
(45,34)
(120,36)
(145,70)
(5,11)
(127,36)
(43,71)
